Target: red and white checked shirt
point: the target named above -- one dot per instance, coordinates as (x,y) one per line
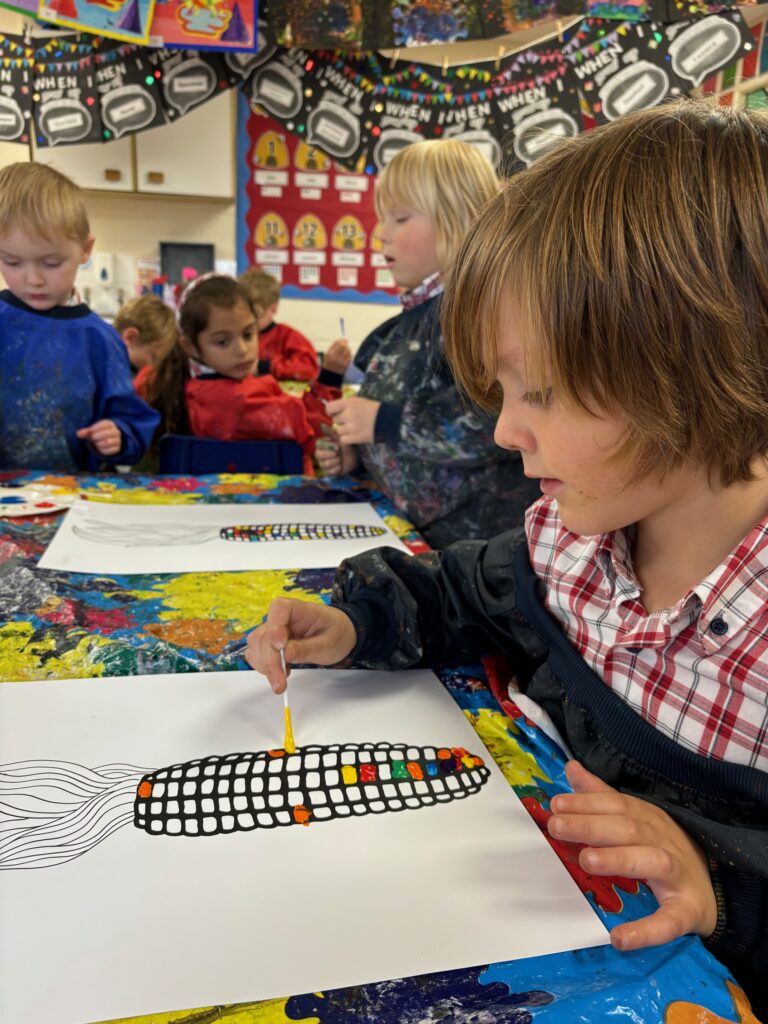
(698,672)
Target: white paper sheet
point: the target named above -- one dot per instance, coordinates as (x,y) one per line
(144,923)
(97,537)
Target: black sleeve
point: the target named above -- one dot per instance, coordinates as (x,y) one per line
(446,608)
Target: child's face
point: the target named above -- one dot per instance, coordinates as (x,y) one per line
(409,246)
(230,342)
(39,271)
(568,450)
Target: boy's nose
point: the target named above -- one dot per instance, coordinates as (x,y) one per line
(512,434)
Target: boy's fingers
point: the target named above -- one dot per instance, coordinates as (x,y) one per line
(600,829)
(670,921)
(651,863)
(336,406)
(584,781)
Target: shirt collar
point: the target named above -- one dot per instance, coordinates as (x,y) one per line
(729,597)
(428,289)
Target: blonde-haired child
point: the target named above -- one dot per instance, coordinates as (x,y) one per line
(410,428)
(66,397)
(612,303)
(148,329)
(283,351)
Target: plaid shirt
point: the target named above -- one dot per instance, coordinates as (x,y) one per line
(698,671)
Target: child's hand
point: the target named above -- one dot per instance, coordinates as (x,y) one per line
(104,435)
(353,419)
(336,459)
(629,836)
(306,631)
(338,357)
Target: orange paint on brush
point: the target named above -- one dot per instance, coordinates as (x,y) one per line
(145,789)
(415,770)
(301,814)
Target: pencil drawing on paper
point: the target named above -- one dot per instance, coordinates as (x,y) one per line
(131,535)
(54,811)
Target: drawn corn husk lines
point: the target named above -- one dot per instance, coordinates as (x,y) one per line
(53,811)
(175,534)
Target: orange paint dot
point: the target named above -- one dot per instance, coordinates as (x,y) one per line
(276,753)
(443,754)
(145,789)
(301,814)
(459,751)
(478,762)
(415,770)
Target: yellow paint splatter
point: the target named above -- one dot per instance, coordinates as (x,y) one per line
(271,1011)
(245,483)
(142,496)
(398,525)
(239,598)
(519,766)
(20,655)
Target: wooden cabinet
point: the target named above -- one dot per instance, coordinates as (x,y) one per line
(107,167)
(194,156)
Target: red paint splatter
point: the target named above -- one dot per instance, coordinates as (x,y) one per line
(186,483)
(107,620)
(603,888)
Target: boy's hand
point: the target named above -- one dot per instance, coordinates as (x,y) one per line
(631,837)
(338,357)
(104,435)
(353,419)
(336,459)
(305,631)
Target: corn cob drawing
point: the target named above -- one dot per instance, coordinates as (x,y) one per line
(53,811)
(168,535)
(299,531)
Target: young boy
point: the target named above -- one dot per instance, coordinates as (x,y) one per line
(148,329)
(613,303)
(66,398)
(283,351)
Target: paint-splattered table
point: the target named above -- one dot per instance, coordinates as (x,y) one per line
(58,625)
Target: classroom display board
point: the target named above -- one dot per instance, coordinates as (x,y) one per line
(388,845)
(309,221)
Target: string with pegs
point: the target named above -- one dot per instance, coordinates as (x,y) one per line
(499,55)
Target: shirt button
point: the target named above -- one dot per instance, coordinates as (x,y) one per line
(718,626)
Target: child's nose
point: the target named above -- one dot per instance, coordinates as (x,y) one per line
(513,434)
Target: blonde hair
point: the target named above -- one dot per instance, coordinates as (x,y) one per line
(155,322)
(42,202)
(635,256)
(263,288)
(446,180)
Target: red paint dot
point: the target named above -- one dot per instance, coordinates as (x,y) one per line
(368,773)
(45,504)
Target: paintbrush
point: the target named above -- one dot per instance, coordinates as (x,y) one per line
(289,744)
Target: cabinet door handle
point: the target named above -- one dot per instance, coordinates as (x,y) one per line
(155,177)
(113,174)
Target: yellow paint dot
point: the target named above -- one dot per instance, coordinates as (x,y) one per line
(348,774)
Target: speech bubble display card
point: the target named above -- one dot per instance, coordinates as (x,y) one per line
(97,537)
(128,20)
(189,78)
(67,110)
(130,97)
(160,850)
(205,24)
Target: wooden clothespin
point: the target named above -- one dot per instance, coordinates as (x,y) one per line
(445,64)
(499,55)
(560,38)
(393,58)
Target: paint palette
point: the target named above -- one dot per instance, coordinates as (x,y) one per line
(33,500)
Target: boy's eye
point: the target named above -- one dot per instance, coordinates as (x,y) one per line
(9,262)
(537,398)
(52,264)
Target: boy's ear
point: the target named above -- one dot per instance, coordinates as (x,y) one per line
(87,249)
(130,335)
(271,311)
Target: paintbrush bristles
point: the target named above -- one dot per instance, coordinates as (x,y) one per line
(289,744)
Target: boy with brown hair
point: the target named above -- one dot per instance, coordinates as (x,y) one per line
(612,303)
(148,329)
(66,397)
(283,351)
